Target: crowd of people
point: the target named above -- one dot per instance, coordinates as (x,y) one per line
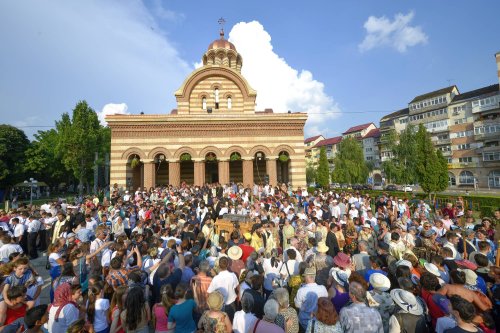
(327,261)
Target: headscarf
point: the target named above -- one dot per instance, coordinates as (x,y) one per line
(62,297)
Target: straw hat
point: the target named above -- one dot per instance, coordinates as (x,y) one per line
(403,262)
(215,300)
(235,252)
(380,282)
(406,301)
(322,248)
(342,260)
(310,271)
(431,268)
(341,277)
(367,225)
(470,277)
(248,236)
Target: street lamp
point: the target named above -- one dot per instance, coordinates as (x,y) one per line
(32,183)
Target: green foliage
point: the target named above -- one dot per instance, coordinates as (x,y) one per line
(135,162)
(431,168)
(79,139)
(13,144)
(350,165)
(235,157)
(311,173)
(210,157)
(283,158)
(43,160)
(401,168)
(323,172)
(185,157)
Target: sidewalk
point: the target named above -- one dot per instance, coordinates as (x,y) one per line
(39,265)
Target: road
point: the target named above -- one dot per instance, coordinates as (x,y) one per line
(39,265)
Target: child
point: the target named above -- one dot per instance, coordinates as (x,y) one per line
(22,275)
(160,310)
(35,318)
(97,309)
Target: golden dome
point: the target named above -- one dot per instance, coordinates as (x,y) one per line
(221,43)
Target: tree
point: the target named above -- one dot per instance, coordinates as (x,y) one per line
(323,172)
(350,165)
(13,144)
(311,173)
(80,137)
(431,167)
(401,167)
(44,161)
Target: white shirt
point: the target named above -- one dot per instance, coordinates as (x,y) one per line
(293,268)
(307,288)
(7,249)
(68,315)
(91,225)
(100,320)
(18,230)
(270,273)
(226,282)
(298,256)
(243,322)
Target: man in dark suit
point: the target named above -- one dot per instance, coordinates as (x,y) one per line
(331,241)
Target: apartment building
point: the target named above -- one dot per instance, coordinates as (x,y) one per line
(395,121)
(359,131)
(371,151)
(309,143)
(331,148)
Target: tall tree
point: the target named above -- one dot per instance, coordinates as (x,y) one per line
(13,144)
(44,161)
(401,167)
(350,165)
(323,173)
(80,138)
(311,173)
(431,169)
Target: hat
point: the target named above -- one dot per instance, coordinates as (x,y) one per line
(215,300)
(322,248)
(470,277)
(70,235)
(380,282)
(406,301)
(469,232)
(248,236)
(466,264)
(341,277)
(383,246)
(342,260)
(400,199)
(367,225)
(403,262)
(431,268)
(310,271)
(235,252)
(429,233)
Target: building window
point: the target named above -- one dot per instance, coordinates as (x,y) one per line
(216,93)
(491,156)
(460,121)
(204,103)
(443,137)
(463,134)
(465,159)
(450,160)
(368,149)
(464,146)
(452,181)
(445,148)
(466,177)
(494,178)
(229,103)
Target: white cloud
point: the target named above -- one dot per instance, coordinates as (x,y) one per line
(278,85)
(397,34)
(111,108)
(57,53)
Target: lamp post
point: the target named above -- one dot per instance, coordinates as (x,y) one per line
(32,183)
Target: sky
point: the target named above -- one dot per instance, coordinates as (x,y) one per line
(345,63)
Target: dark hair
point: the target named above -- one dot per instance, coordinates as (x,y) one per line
(77,326)
(483,245)
(437,259)
(357,277)
(94,291)
(403,271)
(180,290)
(395,236)
(457,276)
(377,261)
(134,305)
(465,310)
(16,292)
(326,312)
(223,263)
(481,260)
(35,314)
(291,254)
(68,270)
(116,262)
(429,281)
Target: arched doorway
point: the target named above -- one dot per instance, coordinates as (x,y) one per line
(187,169)
(259,168)
(135,172)
(466,178)
(377,178)
(235,168)
(161,170)
(211,168)
(283,167)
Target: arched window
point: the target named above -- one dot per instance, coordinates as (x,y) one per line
(216,93)
(466,177)
(204,103)
(452,181)
(229,103)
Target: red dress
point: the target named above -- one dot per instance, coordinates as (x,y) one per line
(13,314)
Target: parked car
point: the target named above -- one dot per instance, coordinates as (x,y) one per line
(335,185)
(357,187)
(378,187)
(391,188)
(367,187)
(406,188)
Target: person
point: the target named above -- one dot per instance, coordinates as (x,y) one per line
(35,318)
(287,317)
(244,319)
(63,311)
(214,320)
(136,315)
(180,315)
(227,283)
(307,296)
(266,324)
(362,259)
(255,291)
(160,310)
(464,313)
(358,317)
(97,308)
(339,290)
(117,306)
(380,299)
(13,308)
(326,319)
(409,316)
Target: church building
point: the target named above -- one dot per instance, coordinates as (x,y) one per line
(214,136)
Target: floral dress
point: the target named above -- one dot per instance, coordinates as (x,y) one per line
(213,325)
(301,234)
(288,315)
(351,242)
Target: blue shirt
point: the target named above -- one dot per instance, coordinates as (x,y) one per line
(182,316)
(85,235)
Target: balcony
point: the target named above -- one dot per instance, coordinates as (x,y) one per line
(438,142)
(463,165)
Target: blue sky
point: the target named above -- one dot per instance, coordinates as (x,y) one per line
(130,56)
